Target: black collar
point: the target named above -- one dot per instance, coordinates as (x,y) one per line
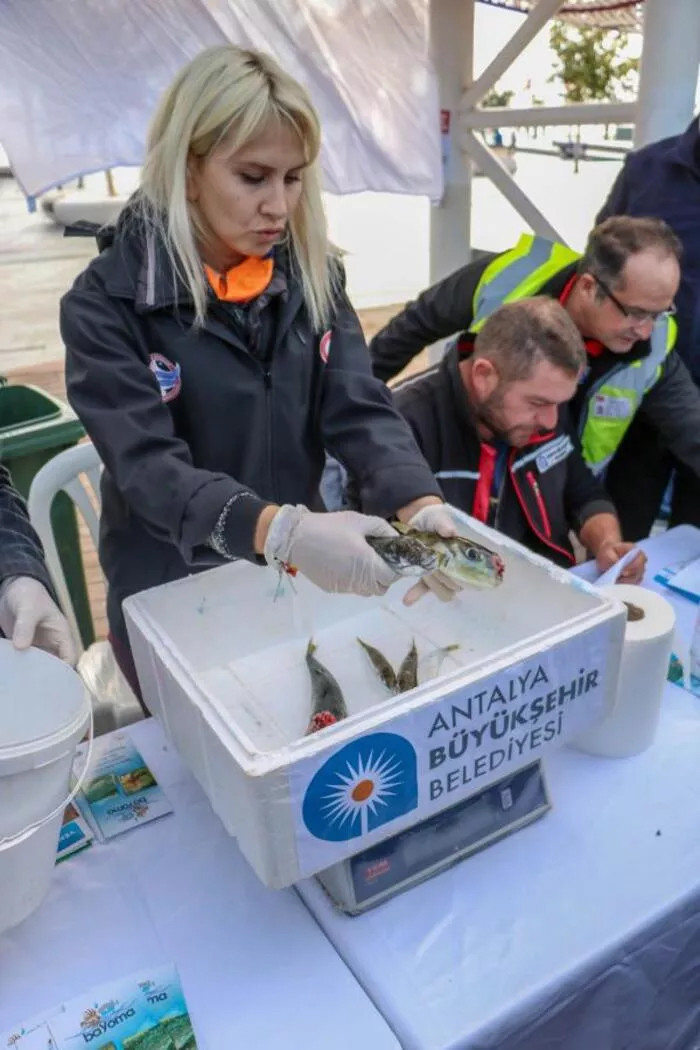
(136,266)
(460,399)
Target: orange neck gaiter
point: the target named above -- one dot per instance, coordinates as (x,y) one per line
(242,282)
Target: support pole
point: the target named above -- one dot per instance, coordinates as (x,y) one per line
(452,46)
(549,116)
(491,166)
(669,69)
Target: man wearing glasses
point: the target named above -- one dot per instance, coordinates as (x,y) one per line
(663,179)
(620,295)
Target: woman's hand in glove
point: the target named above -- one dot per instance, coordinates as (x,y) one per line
(330,549)
(435,517)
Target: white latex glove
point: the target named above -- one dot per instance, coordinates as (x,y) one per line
(434,518)
(330,549)
(29,616)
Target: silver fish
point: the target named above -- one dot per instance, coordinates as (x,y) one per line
(407,678)
(414,553)
(327,700)
(381,665)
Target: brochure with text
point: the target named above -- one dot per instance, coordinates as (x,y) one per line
(120,791)
(145,1011)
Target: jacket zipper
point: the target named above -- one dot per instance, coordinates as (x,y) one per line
(545,539)
(540,504)
(267,382)
(499,500)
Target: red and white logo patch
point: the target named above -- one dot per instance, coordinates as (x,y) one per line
(168,376)
(324,346)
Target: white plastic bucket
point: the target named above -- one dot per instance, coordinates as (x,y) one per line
(44,712)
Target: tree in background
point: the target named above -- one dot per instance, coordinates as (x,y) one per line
(593,66)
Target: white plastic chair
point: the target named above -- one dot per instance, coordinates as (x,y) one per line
(76,471)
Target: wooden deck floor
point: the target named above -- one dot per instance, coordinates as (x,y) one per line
(50,377)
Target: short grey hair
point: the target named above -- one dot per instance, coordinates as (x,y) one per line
(519,335)
(613,241)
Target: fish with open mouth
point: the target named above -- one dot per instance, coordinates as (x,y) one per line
(327,701)
(415,553)
(381,665)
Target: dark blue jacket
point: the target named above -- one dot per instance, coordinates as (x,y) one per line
(663,180)
(187,420)
(20,550)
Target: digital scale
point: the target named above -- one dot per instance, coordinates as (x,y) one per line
(418,853)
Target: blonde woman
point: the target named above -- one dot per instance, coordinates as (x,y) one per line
(213,356)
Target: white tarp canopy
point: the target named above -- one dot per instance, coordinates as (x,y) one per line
(80,80)
(605,14)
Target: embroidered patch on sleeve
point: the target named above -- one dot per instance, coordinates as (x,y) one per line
(168,376)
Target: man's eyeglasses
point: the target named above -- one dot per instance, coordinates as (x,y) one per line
(635,313)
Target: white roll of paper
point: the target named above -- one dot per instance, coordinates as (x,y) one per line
(631,725)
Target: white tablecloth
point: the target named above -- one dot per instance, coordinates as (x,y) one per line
(580,932)
(256,970)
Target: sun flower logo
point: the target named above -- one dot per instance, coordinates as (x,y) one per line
(366,784)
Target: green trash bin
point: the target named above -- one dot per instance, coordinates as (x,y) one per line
(34,427)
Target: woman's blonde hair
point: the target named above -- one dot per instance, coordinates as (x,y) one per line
(229,95)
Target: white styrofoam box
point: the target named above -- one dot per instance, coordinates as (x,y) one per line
(221,661)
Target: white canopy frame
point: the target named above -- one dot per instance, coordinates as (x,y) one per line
(668,78)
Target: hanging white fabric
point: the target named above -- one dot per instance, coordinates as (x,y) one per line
(80,81)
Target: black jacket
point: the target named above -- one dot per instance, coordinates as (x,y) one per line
(672,405)
(20,550)
(547,488)
(663,179)
(187,420)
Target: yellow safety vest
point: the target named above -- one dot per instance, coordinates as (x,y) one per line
(612,402)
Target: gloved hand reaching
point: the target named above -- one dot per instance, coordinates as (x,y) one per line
(330,549)
(29,616)
(434,518)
